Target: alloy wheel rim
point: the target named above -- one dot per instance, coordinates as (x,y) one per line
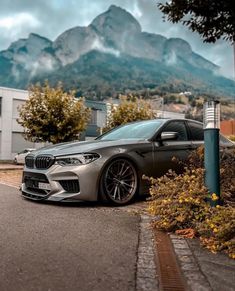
(120,181)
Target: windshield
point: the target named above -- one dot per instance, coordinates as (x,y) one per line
(137,130)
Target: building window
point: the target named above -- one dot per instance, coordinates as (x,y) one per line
(19,143)
(93,119)
(17,104)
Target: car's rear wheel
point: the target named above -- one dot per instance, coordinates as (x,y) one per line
(119,182)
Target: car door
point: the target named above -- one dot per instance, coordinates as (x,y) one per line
(196,133)
(166,151)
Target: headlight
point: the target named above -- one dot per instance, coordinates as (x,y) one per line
(76,160)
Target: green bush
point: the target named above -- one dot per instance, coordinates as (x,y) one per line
(129,109)
(217,231)
(179,202)
(232,137)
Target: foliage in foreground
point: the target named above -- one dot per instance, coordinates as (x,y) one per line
(52,115)
(180,202)
(232,137)
(211,20)
(130,109)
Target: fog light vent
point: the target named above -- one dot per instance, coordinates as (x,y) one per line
(70,186)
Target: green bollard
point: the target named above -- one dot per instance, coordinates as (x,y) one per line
(212,163)
(212,150)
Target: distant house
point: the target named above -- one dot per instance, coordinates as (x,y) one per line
(171,114)
(186,93)
(99,112)
(227,127)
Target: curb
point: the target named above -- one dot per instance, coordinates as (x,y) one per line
(146,276)
(188,264)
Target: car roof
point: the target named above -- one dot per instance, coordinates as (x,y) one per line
(164,120)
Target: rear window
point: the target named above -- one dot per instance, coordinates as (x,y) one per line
(196,131)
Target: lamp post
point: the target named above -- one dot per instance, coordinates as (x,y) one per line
(211,124)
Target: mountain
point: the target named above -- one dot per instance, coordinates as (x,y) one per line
(110,56)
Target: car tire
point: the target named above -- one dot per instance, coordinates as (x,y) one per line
(119,182)
(15,161)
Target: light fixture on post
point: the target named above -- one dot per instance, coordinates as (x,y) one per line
(211,123)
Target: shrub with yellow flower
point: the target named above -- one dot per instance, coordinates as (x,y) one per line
(180,202)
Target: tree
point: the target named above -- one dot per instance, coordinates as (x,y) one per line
(130,109)
(211,19)
(52,115)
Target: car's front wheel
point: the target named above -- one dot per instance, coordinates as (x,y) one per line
(119,182)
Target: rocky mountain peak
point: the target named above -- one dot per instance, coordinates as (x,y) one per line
(73,43)
(27,48)
(115,26)
(117,19)
(34,41)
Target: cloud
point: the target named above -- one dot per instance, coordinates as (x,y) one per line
(137,13)
(17,26)
(45,64)
(171,59)
(97,45)
(15,21)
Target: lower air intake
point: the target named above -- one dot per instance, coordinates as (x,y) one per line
(70,186)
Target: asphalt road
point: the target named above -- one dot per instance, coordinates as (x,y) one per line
(65,247)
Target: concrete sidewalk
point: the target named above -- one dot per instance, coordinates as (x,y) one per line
(202,269)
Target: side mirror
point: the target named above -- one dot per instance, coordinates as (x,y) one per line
(169,135)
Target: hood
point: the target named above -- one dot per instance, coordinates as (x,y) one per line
(76,147)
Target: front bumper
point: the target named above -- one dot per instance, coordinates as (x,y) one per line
(62,183)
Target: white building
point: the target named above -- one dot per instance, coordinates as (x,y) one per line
(11,138)
(11,133)
(170,114)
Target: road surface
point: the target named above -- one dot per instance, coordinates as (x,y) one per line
(65,247)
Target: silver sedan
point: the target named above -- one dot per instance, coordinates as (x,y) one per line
(111,166)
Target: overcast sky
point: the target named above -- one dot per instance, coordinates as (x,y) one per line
(50,18)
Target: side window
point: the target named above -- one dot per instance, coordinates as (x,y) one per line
(196,131)
(179,127)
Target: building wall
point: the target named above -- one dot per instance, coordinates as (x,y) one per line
(11,138)
(98,118)
(227,127)
(170,114)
